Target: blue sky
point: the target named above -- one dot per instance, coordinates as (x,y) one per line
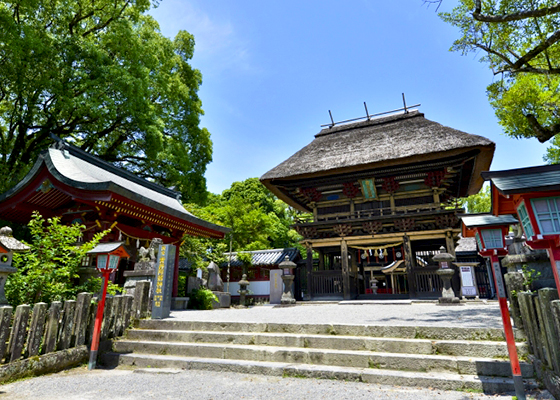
(272,70)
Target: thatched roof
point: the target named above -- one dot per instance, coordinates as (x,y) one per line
(394,140)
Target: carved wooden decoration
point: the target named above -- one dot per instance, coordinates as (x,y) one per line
(372,227)
(447,221)
(434,178)
(342,230)
(390,185)
(350,189)
(405,224)
(308,232)
(311,194)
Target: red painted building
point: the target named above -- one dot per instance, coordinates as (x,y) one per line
(80,188)
(534,195)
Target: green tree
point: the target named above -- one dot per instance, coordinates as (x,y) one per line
(478,203)
(257,218)
(100,75)
(49,270)
(520,43)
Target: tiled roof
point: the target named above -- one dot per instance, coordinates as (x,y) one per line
(79,169)
(466,245)
(533,179)
(472,221)
(265,257)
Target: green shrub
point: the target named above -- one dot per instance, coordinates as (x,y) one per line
(201,299)
(49,270)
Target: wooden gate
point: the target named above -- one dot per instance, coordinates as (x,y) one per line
(326,284)
(428,283)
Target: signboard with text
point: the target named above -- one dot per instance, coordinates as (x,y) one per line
(276,286)
(163,282)
(468,285)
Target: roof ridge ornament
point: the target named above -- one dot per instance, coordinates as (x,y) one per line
(369,116)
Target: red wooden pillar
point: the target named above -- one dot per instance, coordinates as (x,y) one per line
(508,330)
(554,255)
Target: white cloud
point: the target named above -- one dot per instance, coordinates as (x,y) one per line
(219,47)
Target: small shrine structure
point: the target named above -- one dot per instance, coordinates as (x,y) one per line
(533,194)
(380,194)
(81,188)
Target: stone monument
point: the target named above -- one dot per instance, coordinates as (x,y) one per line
(144,268)
(216,285)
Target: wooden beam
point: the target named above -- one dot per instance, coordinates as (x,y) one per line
(382,238)
(345,270)
(309,269)
(409,261)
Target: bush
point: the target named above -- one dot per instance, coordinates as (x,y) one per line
(48,271)
(201,299)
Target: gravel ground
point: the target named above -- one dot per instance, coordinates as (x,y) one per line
(475,314)
(120,384)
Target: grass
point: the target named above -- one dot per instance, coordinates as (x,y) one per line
(470,390)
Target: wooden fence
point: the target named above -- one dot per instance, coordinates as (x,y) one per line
(39,330)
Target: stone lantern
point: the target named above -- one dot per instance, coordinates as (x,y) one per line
(243,283)
(288,278)
(446,273)
(8,245)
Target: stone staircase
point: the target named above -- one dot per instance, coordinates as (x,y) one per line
(442,358)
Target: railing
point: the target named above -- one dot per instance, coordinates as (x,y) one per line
(326,283)
(379,212)
(428,282)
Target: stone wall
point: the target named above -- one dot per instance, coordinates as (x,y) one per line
(539,315)
(43,339)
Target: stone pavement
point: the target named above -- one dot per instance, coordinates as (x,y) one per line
(402,313)
(123,384)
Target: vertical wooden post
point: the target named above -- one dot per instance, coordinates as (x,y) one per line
(436,200)
(355,284)
(309,269)
(345,270)
(410,263)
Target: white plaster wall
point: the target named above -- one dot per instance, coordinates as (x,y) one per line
(257,288)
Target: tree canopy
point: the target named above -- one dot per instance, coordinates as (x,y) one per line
(257,218)
(520,43)
(100,75)
(478,203)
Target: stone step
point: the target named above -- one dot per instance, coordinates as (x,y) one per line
(379,331)
(437,380)
(342,358)
(488,349)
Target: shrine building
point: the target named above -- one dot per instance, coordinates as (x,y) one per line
(80,188)
(380,196)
